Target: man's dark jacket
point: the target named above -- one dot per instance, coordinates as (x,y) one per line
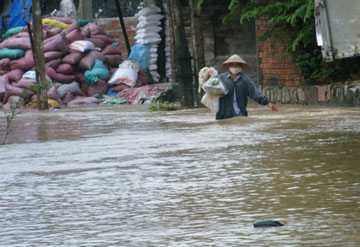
(244,88)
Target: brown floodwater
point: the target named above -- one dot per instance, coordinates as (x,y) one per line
(122,176)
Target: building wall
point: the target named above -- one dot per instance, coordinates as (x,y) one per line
(274,68)
(112,26)
(221,40)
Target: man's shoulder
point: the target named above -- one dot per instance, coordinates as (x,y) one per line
(246,78)
(224,75)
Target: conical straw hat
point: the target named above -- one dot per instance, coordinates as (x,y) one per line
(235,59)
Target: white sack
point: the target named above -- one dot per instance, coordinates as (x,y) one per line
(82,46)
(149,18)
(149,11)
(144,24)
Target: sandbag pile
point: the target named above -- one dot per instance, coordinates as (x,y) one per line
(79,62)
(147,32)
(167,44)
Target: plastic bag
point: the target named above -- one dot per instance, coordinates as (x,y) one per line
(214,86)
(204,74)
(141,54)
(211,102)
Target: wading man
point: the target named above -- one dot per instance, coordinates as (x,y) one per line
(240,88)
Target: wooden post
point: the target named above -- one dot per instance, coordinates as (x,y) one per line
(197,39)
(38,53)
(182,55)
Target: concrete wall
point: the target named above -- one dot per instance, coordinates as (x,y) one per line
(332,95)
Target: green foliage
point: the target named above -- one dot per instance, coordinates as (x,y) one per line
(10,117)
(291,22)
(14,108)
(161,106)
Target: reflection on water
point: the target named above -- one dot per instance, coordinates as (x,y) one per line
(121,176)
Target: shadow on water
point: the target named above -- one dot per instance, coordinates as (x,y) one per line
(122,176)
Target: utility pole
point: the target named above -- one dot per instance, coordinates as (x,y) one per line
(38,53)
(182,54)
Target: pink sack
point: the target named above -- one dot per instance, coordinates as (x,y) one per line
(106,38)
(68,98)
(54,63)
(15,91)
(51,55)
(25,63)
(119,88)
(16,43)
(73,58)
(50,72)
(4,65)
(73,26)
(53,94)
(74,35)
(95,29)
(97,42)
(142,79)
(56,43)
(15,75)
(113,70)
(53,31)
(113,60)
(85,31)
(3,81)
(66,69)
(88,61)
(15,99)
(25,83)
(99,87)
(81,100)
(64,78)
(111,50)
(22,35)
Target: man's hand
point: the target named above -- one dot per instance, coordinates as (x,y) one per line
(272,107)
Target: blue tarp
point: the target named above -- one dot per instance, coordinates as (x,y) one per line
(17,15)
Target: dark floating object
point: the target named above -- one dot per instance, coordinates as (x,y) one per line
(267,223)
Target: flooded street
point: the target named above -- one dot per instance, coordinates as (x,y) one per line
(122,176)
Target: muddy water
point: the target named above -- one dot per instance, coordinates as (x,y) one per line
(121,176)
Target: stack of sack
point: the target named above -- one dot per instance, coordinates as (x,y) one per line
(79,62)
(147,32)
(167,44)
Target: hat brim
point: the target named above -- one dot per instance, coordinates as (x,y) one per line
(226,65)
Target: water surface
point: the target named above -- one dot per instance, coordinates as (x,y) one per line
(122,176)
